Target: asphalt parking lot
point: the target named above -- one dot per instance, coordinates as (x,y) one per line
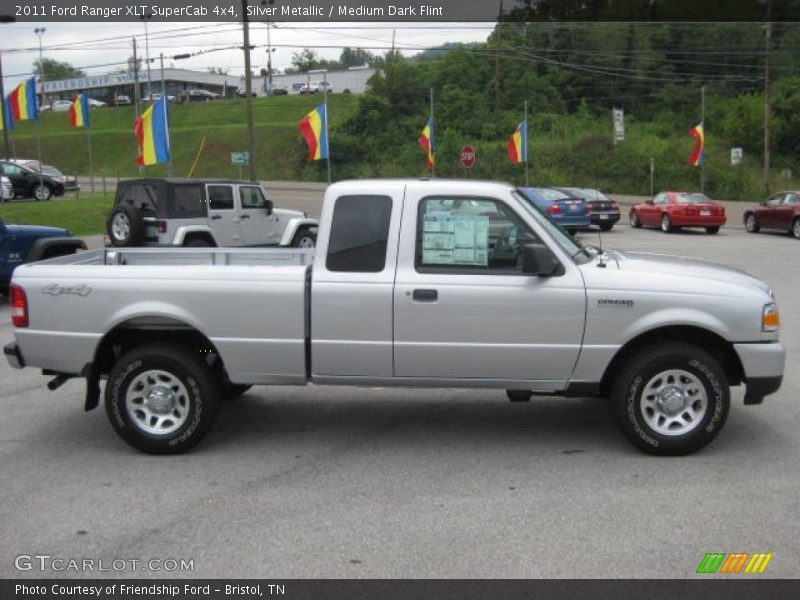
(347,482)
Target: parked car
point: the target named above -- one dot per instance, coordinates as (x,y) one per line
(428,283)
(202,96)
(122,100)
(6,189)
(604,211)
(567,210)
(60,105)
(28,182)
(298,87)
(242,93)
(70,181)
(156,97)
(198,213)
(672,210)
(278,90)
(781,212)
(28,243)
(95,103)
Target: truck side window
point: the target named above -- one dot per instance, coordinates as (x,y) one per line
(359,234)
(220,197)
(252,197)
(470,235)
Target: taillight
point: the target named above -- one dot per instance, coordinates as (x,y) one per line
(554,209)
(19,306)
(586,209)
(614,206)
(161,226)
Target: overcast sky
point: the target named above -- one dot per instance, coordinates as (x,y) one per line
(92,46)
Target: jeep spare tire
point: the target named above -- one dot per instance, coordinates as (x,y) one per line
(125,226)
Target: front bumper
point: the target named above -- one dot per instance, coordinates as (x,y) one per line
(763,366)
(14,356)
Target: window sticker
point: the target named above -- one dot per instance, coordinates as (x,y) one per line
(455,239)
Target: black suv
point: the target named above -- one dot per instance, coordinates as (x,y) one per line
(28,182)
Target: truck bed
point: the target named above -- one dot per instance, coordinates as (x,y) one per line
(187,256)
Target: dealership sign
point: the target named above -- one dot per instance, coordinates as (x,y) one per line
(96,81)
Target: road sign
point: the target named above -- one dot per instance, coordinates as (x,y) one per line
(468,157)
(240,159)
(736,156)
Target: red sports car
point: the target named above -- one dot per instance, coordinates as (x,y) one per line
(673,210)
(781,211)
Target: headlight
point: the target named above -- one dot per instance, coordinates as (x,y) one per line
(770,319)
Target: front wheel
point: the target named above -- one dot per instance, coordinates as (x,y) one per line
(633,218)
(666,223)
(42,192)
(161,399)
(796,228)
(712,230)
(304,239)
(671,399)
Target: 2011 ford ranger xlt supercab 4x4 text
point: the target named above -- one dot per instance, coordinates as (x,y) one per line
(413,283)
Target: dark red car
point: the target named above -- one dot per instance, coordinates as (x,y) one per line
(781,211)
(672,210)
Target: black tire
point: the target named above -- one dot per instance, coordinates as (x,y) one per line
(713,229)
(234,390)
(606,226)
(519,395)
(304,238)
(41,191)
(125,226)
(751,223)
(197,243)
(633,218)
(796,228)
(197,393)
(666,224)
(699,370)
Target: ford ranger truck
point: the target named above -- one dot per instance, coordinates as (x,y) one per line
(413,283)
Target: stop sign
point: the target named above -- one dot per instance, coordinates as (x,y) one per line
(468,156)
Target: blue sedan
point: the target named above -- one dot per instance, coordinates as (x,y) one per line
(568,211)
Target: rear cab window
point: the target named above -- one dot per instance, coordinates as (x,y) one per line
(359,234)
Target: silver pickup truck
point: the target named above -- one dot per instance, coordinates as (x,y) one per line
(413,283)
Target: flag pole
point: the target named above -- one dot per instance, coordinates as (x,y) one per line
(165,99)
(526,142)
(327,118)
(91,159)
(703,151)
(6,146)
(432,141)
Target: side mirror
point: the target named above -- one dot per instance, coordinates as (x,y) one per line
(539,260)
(269,207)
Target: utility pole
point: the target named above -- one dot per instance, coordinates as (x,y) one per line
(248,94)
(39,31)
(135,79)
(767,112)
(703,125)
(6,125)
(146,18)
(497,62)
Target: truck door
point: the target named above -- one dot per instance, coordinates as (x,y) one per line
(463,308)
(255,221)
(222,216)
(353,280)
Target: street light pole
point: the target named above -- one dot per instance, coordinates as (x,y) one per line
(248,92)
(146,18)
(39,31)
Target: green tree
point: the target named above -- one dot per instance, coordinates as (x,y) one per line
(53,69)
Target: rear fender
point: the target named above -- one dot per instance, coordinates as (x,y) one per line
(54,246)
(181,233)
(293,226)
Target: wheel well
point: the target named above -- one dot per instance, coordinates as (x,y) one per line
(147,330)
(199,235)
(697,336)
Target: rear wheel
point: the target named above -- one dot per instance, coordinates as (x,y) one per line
(751,223)
(712,230)
(671,399)
(666,223)
(634,219)
(161,399)
(796,228)
(198,243)
(125,226)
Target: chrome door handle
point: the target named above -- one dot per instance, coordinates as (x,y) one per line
(215,217)
(245,217)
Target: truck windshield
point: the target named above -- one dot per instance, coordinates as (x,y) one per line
(579,253)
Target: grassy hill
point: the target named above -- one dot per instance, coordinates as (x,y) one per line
(279,146)
(564,149)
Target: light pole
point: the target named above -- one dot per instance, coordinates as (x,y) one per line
(146,18)
(39,31)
